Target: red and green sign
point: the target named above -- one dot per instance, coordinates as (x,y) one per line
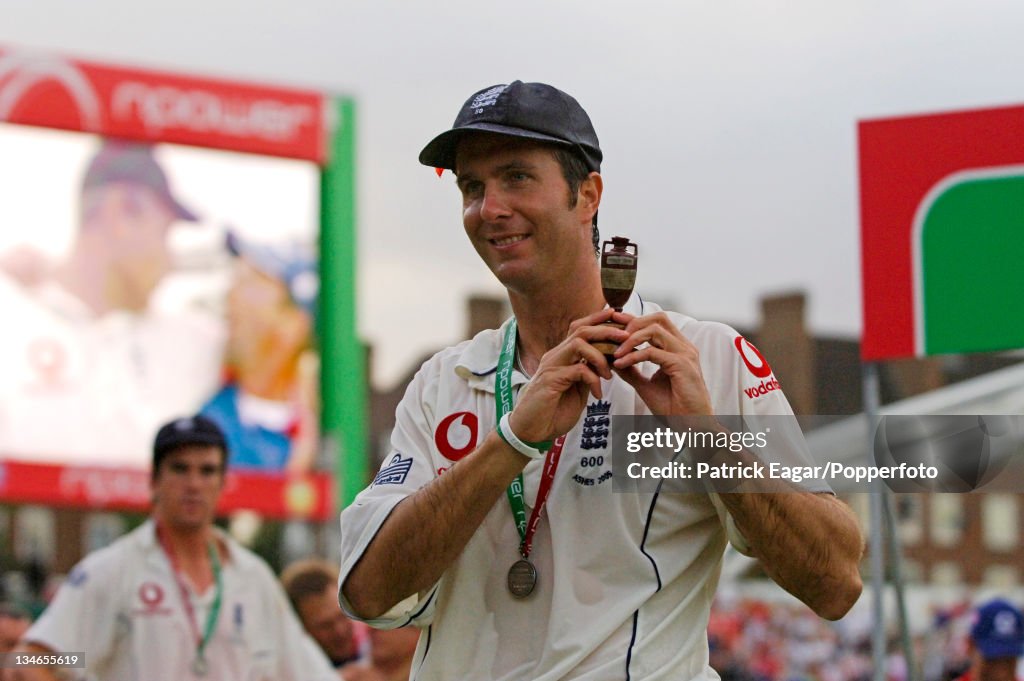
(942,233)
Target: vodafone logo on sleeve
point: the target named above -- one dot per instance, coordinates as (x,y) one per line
(752,357)
(758,366)
(455,436)
(763,389)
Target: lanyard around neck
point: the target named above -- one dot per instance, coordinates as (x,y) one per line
(202,639)
(503,405)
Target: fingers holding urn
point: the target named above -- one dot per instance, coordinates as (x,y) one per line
(677,387)
(551,403)
(663,340)
(594,319)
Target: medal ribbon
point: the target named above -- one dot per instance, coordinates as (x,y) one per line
(503,405)
(211,618)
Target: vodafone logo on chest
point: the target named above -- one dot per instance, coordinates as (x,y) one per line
(151,600)
(456,434)
(758,366)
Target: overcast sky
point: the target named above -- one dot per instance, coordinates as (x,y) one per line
(729,128)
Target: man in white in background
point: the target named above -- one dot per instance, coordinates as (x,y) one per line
(177,598)
(82,346)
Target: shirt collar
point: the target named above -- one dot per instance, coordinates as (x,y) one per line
(150,542)
(478,362)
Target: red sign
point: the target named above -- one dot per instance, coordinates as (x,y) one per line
(273,496)
(904,163)
(151,106)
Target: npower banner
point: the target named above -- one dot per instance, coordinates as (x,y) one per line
(942,233)
(43,89)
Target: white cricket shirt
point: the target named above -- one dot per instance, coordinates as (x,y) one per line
(626,580)
(122,607)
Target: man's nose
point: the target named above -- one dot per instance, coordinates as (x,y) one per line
(493,206)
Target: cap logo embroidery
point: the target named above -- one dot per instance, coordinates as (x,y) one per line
(1005,624)
(486,98)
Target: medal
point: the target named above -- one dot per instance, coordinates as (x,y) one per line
(199,666)
(522,577)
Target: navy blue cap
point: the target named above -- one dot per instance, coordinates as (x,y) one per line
(185,432)
(998,631)
(535,111)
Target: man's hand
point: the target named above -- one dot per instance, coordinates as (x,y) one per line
(551,404)
(677,388)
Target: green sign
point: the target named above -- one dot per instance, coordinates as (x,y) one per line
(972,264)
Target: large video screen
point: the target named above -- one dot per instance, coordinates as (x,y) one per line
(139,283)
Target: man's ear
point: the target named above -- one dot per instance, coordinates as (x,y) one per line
(590,195)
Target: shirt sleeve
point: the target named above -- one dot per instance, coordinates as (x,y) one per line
(747,395)
(409,465)
(88,595)
(764,409)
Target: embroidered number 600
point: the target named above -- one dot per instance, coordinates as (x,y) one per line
(591,461)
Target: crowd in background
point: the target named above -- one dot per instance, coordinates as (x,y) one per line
(750,639)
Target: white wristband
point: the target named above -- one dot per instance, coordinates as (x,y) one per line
(524,448)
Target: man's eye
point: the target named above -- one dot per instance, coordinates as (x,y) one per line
(472,188)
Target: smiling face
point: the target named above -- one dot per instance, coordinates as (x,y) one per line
(518,212)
